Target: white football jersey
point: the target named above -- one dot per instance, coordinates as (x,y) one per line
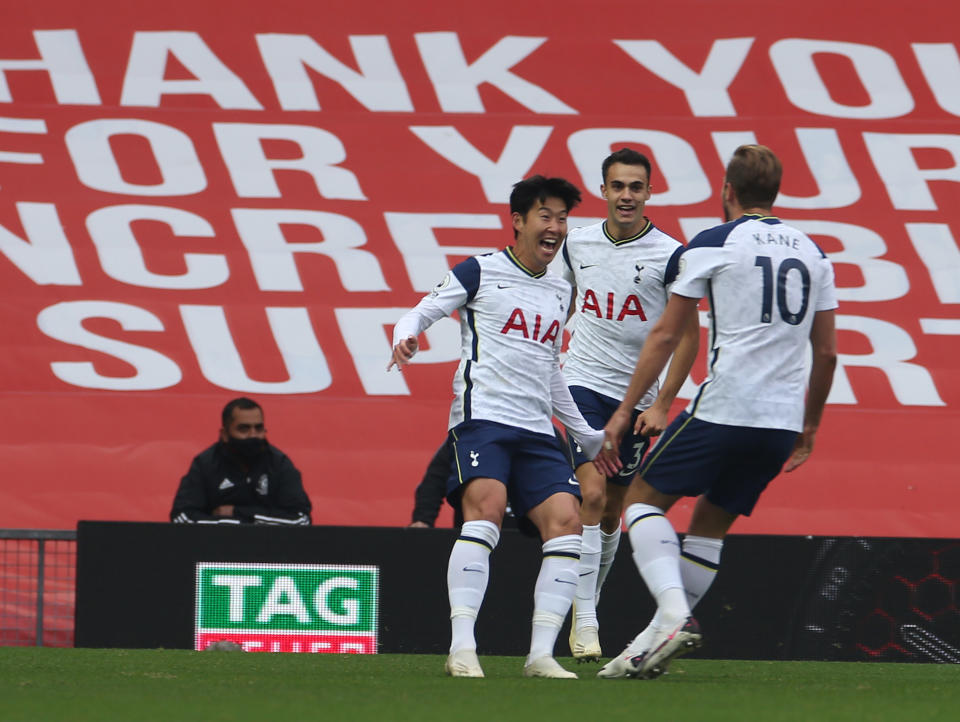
(765,281)
(511,328)
(622,289)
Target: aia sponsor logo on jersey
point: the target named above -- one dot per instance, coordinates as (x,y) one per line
(612,310)
(518,323)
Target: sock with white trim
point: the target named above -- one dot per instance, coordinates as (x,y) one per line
(553,593)
(468,571)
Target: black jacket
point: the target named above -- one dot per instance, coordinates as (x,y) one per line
(270,491)
(430,493)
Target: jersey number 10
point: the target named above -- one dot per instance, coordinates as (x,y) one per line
(794,318)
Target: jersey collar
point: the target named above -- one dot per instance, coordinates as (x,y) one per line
(648,226)
(508,251)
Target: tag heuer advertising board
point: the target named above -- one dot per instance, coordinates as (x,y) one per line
(288,607)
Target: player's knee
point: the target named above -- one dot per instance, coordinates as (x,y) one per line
(592,499)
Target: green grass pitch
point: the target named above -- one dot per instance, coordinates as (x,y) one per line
(112,685)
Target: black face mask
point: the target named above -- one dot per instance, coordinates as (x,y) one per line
(249,449)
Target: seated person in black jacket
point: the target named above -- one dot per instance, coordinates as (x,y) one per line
(242,478)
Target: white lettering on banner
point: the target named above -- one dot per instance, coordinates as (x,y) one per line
(283,599)
(237,584)
(456,82)
(220,360)
(144,82)
(111,229)
(883,280)
(172,149)
(61,56)
(64,322)
(351,606)
(496,178)
(706,91)
(875,68)
(252,172)
(47,257)
(828,165)
(892,350)
(940,326)
(271,255)
(425,259)
(672,156)
(941,67)
(378,86)
(938,250)
(905,181)
(22,125)
(364,331)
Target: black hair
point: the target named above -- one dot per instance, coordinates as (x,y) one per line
(537,189)
(627,156)
(241,403)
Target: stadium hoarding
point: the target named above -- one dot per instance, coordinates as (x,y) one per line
(196,205)
(826,598)
(325,608)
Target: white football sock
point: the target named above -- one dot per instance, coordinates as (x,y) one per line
(608,552)
(699,562)
(586,610)
(468,571)
(553,593)
(656,552)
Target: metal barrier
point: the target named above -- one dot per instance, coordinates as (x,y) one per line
(37,585)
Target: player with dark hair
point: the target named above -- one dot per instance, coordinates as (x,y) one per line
(621,270)
(771,295)
(242,478)
(507,388)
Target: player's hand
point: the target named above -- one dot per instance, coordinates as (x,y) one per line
(608,460)
(651,422)
(403,352)
(801,450)
(223,510)
(418,525)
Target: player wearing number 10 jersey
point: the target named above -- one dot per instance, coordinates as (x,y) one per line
(771,293)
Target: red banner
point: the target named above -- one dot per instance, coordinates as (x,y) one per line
(201,202)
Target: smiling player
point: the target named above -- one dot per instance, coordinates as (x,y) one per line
(507,387)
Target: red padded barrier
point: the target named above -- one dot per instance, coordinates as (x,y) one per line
(157,163)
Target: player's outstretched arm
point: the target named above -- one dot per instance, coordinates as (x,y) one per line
(823,338)
(654,420)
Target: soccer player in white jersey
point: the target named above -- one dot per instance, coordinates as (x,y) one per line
(507,387)
(621,269)
(771,291)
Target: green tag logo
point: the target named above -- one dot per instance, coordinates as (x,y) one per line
(288,607)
